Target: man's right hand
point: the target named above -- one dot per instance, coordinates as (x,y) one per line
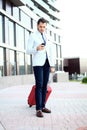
(52,69)
(40,47)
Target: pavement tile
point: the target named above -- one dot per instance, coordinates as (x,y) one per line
(68,103)
(1,126)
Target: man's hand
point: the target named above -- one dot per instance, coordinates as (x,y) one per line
(40,47)
(52,69)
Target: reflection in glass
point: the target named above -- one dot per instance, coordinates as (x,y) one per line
(56,65)
(29,66)
(12,64)
(1,29)
(11,33)
(34,25)
(1,4)
(21,64)
(8,7)
(6,30)
(27,33)
(19,37)
(59,65)
(54,50)
(25,19)
(50,33)
(59,51)
(1,62)
(59,39)
(31,23)
(16,12)
(54,36)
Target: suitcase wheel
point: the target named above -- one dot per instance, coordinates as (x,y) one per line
(30,105)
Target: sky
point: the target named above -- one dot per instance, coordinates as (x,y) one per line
(73,15)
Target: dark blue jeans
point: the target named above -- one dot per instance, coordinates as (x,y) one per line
(41,74)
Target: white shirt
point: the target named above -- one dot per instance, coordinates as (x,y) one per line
(39,57)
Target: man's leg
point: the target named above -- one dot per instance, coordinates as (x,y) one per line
(46,71)
(38,72)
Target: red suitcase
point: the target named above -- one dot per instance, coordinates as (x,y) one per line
(31,97)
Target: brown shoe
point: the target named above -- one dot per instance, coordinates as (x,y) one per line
(39,113)
(46,110)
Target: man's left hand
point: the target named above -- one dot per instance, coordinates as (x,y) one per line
(52,69)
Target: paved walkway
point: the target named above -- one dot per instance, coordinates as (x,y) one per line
(68,102)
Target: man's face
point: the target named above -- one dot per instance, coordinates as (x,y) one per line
(41,27)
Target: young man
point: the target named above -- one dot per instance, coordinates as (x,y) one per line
(43,63)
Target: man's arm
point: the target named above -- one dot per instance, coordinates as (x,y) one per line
(31,48)
(52,59)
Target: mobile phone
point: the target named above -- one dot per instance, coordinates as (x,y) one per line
(43,44)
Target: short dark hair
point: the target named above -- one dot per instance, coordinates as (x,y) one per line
(42,20)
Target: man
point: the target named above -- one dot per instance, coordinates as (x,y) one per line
(41,49)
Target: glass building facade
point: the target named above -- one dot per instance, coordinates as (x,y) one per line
(17,21)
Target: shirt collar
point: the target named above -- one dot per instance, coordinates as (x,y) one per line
(40,32)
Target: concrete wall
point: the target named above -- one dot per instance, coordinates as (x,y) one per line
(61,76)
(83,65)
(9,81)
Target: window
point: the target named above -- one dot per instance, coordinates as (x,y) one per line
(12,63)
(59,39)
(27,33)
(29,66)
(50,33)
(1,4)
(59,51)
(59,65)
(8,7)
(47,32)
(20,37)
(19,14)
(2,62)
(6,30)
(34,25)
(56,65)
(11,33)
(15,12)
(1,29)
(54,50)
(21,63)
(25,19)
(31,23)
(54,36)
